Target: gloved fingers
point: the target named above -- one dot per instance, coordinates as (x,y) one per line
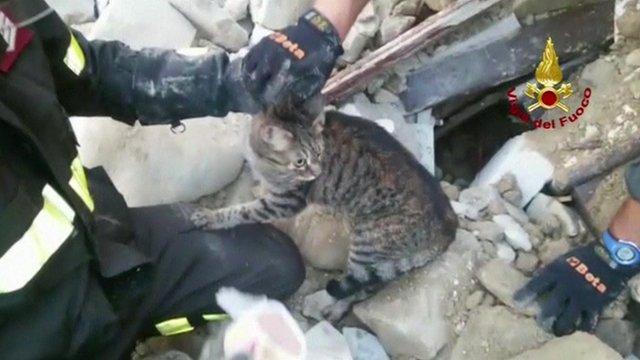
(275,87)
(568,320)
(589,320)
(552,309)
(534,288)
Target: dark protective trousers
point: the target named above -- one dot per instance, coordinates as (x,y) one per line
(89,317)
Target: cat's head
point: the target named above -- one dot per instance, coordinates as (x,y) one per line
(287,142)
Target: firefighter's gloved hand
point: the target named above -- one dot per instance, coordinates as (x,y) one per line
(579,285)
(292,65)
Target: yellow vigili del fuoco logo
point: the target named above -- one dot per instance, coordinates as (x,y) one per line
(549,92)
(548,74)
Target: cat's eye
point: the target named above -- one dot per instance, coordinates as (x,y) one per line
(300,163)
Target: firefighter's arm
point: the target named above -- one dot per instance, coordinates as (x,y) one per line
(107,78)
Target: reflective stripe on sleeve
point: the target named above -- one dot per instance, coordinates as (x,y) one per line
(48,231)
(174,326)
(74,59)
(79,183)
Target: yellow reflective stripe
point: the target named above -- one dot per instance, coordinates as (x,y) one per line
(74,59)
(48,231)
(174,326)
(216,317)
(79,183)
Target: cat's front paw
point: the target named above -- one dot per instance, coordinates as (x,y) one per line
(204,219)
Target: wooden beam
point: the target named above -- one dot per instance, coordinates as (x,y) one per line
(356,76)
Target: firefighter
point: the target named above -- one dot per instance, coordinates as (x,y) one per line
(82,275)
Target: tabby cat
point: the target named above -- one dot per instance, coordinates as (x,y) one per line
(399,215)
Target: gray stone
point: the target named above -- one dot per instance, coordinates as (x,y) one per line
(509,190)
(478,198)
(505,252)
(633,58)
(278,14)
(407,7)
(543,208)
(502,280)
(494,333)
(214,23)
(516,213)
(144,23)
(550,250)
(314,303)
(619,334)
(360,34)
(475,299)
(628,23)
(363,346)
(526,262)
(487,230)
(634,287)
(393,26)
(465,210)
(578,346)
(237,9)
(324,342)
(513,232)
(451,191)
(438,5)
(413,315)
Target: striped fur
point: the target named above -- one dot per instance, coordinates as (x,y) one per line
(400,217)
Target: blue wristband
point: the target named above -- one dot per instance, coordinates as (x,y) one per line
(622,252)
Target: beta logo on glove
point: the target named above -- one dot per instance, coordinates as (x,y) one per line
(287,44)
(583,270)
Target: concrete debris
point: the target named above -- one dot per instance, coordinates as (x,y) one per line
(634,287)
(237,9)
(361,34)
(551,250)
(487,230)
(438,5)
(136,157)
(214,23)
(478,199)
(393,26)
(314,303)
(619,334)
(494,333)
(502,280)
(465,210)
(628,23)
(633,58)
(415,315)
(363,345)
(416,137)
(513,232)
(527,262)
(475,299)
(324,342)
(505,252)
(509,160)
(579,345)
(144,23)
(278,14)
(451,191)
(509,190)
(547,212)
(74,11)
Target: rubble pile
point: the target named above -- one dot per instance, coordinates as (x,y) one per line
(460,306)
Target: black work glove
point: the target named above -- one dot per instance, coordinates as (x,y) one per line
(294,64)
(580,284)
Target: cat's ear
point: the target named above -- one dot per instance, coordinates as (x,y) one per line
(318,123)
(278,138)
